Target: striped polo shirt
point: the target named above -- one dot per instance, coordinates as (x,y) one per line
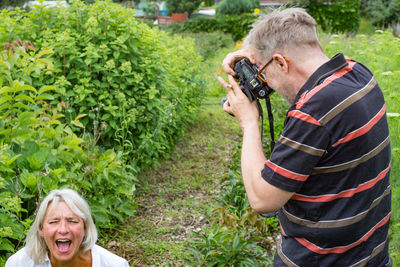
(334,153)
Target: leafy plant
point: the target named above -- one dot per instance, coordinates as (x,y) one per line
(217,247)
(335,16)
(39,153)
(237,7)
(382,13)
(138,86)
(182,6)
(237,25)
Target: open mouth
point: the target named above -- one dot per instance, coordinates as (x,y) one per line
(63,245)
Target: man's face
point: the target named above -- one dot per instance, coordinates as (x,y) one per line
(275,78)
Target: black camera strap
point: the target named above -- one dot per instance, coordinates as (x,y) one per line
(270,119)
(271,132)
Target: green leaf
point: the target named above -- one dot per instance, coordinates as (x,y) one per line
(6,245)
(24,98)
(44,97)
(77,124)
(36,160)
(28,179)
(46,88)
(45,52)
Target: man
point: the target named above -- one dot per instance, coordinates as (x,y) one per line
(328,174)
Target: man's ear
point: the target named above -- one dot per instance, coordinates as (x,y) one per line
(281,62)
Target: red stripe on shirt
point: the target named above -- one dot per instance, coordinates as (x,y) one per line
(286,173)
(362,130)
(303,116)
(342,249)
(307,96)
(343,194)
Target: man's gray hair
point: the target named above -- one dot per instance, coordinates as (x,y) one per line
(35,245)
(281,29)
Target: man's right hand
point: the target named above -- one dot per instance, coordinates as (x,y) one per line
(230,60)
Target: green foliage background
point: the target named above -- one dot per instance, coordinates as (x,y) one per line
(182,6)
(237,26)
(335,16)
(100,98)
(382,13)
(138,86)
(237,7)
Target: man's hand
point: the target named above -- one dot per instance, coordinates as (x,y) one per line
(238,103)
(230,60)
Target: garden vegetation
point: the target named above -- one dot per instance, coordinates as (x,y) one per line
(89,98)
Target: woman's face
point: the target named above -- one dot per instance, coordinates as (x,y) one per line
(63,232)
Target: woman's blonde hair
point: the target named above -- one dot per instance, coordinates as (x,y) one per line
(35,245)
(281,29)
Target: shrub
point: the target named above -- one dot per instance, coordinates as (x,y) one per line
(238,26)
(237,7)
(39,153)
(138,86)
(335,16)
(182,6)
(382,13)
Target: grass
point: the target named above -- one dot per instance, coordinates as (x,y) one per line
(175,197)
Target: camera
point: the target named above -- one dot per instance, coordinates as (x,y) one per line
(252,83)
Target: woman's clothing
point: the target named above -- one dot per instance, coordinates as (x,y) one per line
(100,258)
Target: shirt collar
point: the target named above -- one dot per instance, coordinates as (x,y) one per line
(333,65)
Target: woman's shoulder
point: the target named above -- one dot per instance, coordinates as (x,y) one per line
(104,258)
(20,259)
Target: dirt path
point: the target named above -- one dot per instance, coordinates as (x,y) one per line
(174,197)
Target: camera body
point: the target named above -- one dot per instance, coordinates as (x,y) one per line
(251,82)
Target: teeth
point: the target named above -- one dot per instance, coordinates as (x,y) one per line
(62,240)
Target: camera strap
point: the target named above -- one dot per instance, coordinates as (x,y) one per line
(270,119)
(271,132)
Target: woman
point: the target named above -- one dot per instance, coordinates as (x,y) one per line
(63,234)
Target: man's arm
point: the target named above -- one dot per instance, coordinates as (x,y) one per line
(263,197)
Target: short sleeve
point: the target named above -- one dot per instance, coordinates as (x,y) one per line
(299,149)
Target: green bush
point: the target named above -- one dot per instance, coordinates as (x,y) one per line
(210,43)
(138,86)
(226,247)
(39,153)
(335,16)
(182,6)
(237,7)
(382,13)
(238,26)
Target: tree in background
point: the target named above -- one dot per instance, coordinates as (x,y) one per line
(182,6)
(236,7)
(209,2)
(13,3)
(335,15)
(382,13)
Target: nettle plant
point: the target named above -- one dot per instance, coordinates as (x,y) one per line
(139,87)
(39,153)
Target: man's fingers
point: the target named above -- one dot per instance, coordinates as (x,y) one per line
(228,86)
(230,60)
(235,87)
